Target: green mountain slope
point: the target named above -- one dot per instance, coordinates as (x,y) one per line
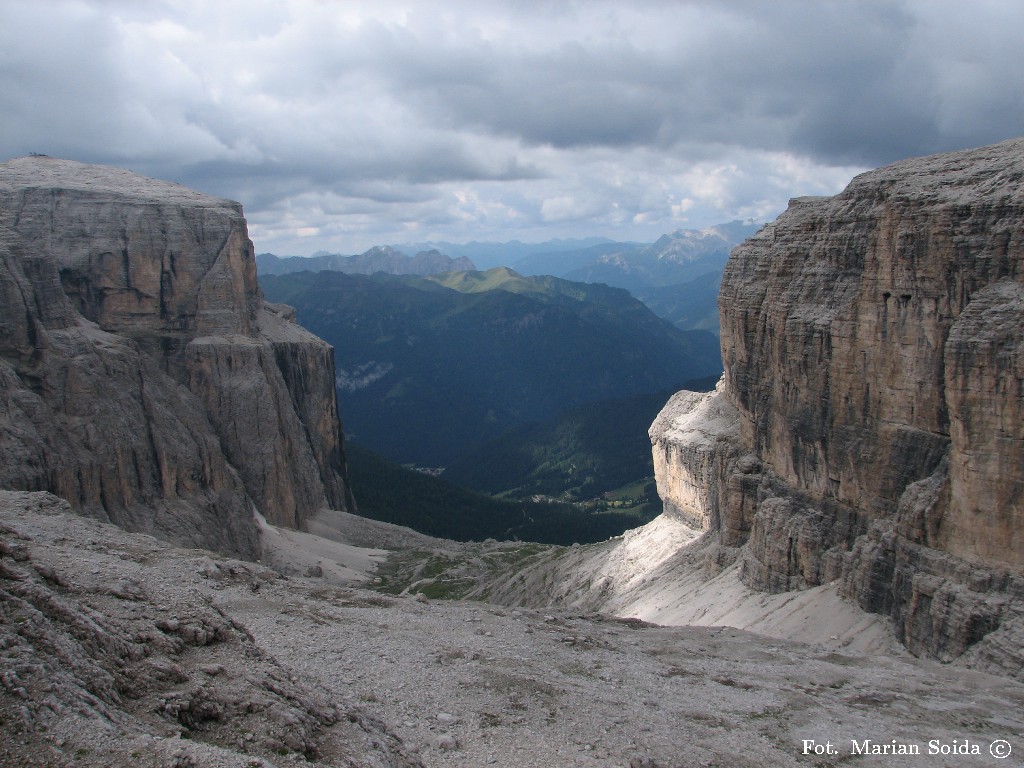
(692,305)
(429,369)
(586,452)
(392,493)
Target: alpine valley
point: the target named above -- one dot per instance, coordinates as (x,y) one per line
(185,580)
(430,369)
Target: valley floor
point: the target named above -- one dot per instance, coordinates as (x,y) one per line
(120,650)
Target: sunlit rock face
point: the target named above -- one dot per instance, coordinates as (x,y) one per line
(145,379)
(873,345)
(701,470)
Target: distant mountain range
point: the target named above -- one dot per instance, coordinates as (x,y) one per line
(677,276)
(380,258)
(674,259)
(512,254)
(430,368)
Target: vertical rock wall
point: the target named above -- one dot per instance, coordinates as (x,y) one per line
(872,344)
(143,376)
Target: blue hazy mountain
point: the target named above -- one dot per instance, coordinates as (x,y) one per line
(511,254)
(380,258)
(677,276)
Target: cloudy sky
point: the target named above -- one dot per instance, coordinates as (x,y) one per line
(340,125)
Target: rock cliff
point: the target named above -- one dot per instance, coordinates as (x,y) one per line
(869,428)
(142,376)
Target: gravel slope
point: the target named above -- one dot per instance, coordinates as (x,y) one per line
(120,650)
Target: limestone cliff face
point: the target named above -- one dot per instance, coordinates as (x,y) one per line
(144,378)
(873,345)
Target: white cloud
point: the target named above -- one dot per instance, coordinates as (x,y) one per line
(344,124)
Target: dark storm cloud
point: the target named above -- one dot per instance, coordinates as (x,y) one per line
(341,124)
(842,82)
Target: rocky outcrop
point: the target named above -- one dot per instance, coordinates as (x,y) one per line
(874,357)
(144,379)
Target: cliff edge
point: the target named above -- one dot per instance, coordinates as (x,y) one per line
(869,427)
(142,376)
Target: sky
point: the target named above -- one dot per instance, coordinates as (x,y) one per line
(343,125)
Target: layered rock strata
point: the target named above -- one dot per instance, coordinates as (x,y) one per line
(142,376)
(873,345)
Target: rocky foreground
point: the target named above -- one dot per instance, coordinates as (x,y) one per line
(118,649)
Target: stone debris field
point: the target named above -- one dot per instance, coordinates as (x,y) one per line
(120,650)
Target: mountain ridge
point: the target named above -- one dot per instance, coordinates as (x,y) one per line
(676,270)
(505,350)
(380,258)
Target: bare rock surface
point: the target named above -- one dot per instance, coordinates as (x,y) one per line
(142,376)
(665,573)
(116,652)
(869,429)
(120,650)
